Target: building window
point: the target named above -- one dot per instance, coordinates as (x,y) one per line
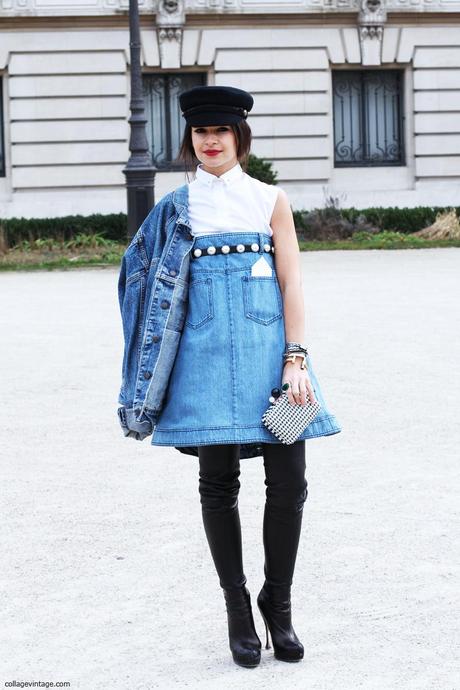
(368,117)
(2,145)
(165,124)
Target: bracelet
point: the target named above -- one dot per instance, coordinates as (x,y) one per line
(295,347)
(291,358)
(294,350)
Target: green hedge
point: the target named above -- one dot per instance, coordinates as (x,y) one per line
(261,169)
(404,220)
(114,226)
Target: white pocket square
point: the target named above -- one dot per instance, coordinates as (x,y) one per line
(261,268)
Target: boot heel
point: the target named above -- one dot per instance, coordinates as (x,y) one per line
(267,643)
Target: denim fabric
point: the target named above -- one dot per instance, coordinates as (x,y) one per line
(230,354)
(153,294)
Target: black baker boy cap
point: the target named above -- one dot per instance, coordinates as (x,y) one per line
(215,105)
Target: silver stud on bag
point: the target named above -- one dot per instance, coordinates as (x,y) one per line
(197,252)
(267,247)
(225,249)
(255,247)
(240,248)
(211,249)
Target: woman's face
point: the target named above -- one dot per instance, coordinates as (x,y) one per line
(219,138)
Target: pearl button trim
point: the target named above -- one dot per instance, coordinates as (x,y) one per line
(225,249)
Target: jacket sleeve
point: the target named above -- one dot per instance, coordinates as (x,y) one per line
(131,298)
(133,281)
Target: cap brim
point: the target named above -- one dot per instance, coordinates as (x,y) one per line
(213,118)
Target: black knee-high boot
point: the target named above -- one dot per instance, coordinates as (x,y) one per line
(219,487)
(285,497)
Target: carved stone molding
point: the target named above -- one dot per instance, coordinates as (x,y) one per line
(170,13)
(372,12)
(174,8)
(31,8)
(371,19)
(169,34)
(170,20)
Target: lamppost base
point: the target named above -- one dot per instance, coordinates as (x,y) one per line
(140,183)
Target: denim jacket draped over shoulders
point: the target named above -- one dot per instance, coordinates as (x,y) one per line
(153,298)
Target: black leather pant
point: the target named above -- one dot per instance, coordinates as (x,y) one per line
(286,492)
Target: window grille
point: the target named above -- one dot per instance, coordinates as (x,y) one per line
(165,124)
(368,118)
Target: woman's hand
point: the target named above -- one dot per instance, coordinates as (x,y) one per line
(300,385)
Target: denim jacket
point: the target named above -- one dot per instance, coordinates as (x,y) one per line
(153,297)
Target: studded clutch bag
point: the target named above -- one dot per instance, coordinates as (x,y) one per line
(288,421)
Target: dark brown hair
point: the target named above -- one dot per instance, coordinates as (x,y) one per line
(243,137)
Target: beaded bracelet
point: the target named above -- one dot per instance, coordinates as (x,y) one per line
(295,347)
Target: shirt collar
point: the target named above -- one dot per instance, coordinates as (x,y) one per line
(228,177)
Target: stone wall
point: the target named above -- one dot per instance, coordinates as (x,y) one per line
(66,94)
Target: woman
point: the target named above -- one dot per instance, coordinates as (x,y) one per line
(245,308)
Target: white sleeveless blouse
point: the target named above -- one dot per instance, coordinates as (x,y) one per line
(232,202)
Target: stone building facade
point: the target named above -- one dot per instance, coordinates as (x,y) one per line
(357,98)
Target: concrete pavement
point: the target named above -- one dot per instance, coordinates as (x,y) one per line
(107,578)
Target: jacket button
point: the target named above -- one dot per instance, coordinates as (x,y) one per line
(276,392)
(164,304)
(147,374)
(155,338)
(172,272)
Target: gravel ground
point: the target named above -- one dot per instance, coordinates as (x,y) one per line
(107,581)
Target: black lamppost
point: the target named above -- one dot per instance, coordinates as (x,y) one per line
(139,170)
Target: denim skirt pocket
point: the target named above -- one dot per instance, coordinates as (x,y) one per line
(201,302)
(262,299)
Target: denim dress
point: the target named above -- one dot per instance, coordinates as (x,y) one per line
(230,354)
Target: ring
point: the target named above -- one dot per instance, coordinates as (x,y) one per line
(285,386)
